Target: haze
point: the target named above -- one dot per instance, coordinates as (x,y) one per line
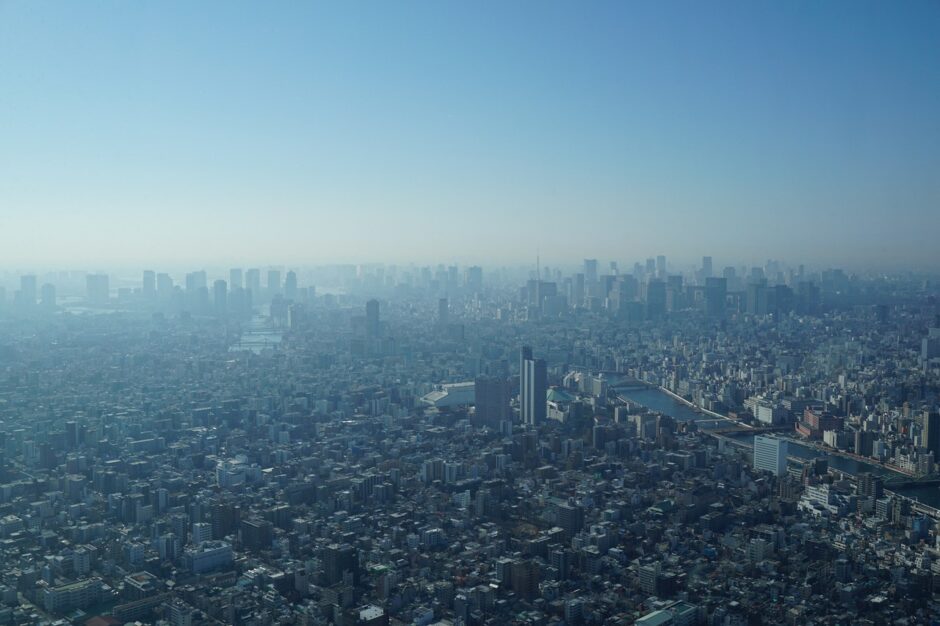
(213,132)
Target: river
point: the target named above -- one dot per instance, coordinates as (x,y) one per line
(656,400)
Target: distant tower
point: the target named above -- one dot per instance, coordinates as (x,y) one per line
(47,296)
(235,278)
(28,290)
(274,283)
(578,290)
(372,319)
(590,271)
(150,285)
(97,289)
(253,283)
(290,286)
(716,291)
(164,285)
(706,267)
(442,310)
(220,297)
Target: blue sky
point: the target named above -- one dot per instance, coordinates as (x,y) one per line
(146,132)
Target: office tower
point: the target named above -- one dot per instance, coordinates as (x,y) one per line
(492,400)
(706,267)
(577,297)
(220,297)
(97,290)
(274,283)
(196,281)
(533,385)
(290,285)
(931,433)
(150,285)
(655,299)
(661,266)
(253,283)
(716,292)
(650,267)
(47,296)
(442,310)
(525,354)
(590,271)
(475,278)
(372,319)
(770,455)
(164,286)
(235,278)
(338,559)
(675,295)
(28,290)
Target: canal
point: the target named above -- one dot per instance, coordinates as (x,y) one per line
(657,400)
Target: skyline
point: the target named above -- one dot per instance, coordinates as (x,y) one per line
(232,133)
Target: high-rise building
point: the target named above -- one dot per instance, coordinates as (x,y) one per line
(590,271)
(524,578)
(569,517)
(870,485)
(372,319)
(235,278)
(577,295)
(164,286)
(475,278)
(770,455)
(290,285)
(97,290)
(660,266)
(150,285)
(716,292)
(47,296)
(706,267)
(274,283)
(931,436)
(655,299)
(201,532)
(253,283)
(493,395)
(256,534)
(220,297)
(533,386)
(442,310)
(338,559)
(27,294)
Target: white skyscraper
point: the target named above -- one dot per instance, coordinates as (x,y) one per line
(770,455)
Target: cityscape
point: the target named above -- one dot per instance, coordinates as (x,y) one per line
(460,446)
(492,313)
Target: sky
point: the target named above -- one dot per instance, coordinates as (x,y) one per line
(476,132)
